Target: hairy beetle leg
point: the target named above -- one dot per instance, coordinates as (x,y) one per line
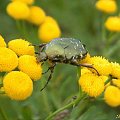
(50,76)
(89,66)
(36,53)
(42,64)
(46,70)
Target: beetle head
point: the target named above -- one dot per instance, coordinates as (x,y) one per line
(42,57)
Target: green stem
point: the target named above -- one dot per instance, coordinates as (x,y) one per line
(112,49)
(73,103)
(82,107)
(78,76)
(3,114)
(24,30)
(78,72)
(108,80)
(113,37)
(19,26)
(103,29)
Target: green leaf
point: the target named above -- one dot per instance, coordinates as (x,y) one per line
(100,111)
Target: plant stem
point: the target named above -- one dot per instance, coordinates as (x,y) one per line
(108,80)
(19,27)
(113,37)
(73,103)
(24,30)
(78,72)
(112,50)
(103,29)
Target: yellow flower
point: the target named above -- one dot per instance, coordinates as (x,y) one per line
(48,31)
(115,70)
(17,85)
(18,10)
(91,84)
(101,65)
(85,60)
(116,82)
(113,23)
(30,66)
(104,78)
(29,2)
(107,6)
(85,70)
(37,15)
(112,96)
(21,47)
(50,19)
(8,59)
(2,42)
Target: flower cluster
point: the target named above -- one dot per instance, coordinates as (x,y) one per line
(106,81)
(21,67)
(112,23)
(48,27)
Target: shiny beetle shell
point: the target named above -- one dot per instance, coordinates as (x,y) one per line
(65,48)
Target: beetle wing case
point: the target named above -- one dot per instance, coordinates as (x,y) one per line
(65,47)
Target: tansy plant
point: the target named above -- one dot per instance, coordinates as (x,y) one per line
(18,75)
(21,68)
(24,12)
(110,26)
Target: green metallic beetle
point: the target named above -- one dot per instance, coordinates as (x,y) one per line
(62,50)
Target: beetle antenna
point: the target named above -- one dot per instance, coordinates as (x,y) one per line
(50,76)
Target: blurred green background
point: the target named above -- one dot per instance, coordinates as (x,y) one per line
(77,19)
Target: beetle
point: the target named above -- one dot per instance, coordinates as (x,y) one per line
(62,50)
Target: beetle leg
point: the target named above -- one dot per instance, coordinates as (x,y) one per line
(40,45)
(52,65)
(50,76)
(46,70)
(36,53)
(75,62)
(42,64)
(89,66)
